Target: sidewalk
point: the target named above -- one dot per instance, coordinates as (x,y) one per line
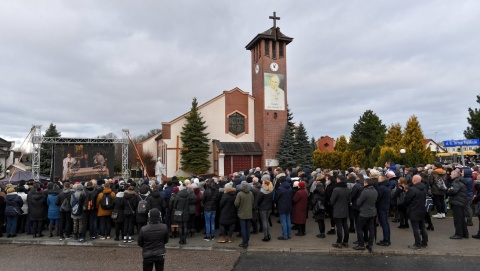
(439,242)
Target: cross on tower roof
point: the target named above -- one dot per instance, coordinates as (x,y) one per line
(274,18)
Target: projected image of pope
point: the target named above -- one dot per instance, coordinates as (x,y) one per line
(98,159)
(274,95)
(68,162)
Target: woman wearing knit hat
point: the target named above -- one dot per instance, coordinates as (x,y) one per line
(264,205)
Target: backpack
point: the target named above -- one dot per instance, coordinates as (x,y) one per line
(75,203)
(441,184)
(107,202)
(142,205)
(65,207)
(428,204)
(89,205)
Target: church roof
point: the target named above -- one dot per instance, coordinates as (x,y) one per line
(269,35)
(239,148)
(207,103)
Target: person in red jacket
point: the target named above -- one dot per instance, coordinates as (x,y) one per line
(299,213)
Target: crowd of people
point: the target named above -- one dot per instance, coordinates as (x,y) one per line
(356,202)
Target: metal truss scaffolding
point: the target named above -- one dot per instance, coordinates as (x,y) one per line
(37,140)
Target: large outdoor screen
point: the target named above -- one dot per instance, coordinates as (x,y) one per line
(80,162)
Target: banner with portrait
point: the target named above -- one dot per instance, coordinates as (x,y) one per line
(274,93)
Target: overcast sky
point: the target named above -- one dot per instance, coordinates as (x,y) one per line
(95,67)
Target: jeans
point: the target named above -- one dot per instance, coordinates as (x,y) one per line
(105,225)
(342,223)
(383,221)
(286,224)
(264,215)
(439,201)
(159,262)
(11,224)
(209,222)
(365,230)
(245,230)
(54,222)
(419,232)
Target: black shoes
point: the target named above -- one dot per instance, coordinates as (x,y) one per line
(414,247)
(266,238)
(456,237)
(282,238)
(243,245)
(430,228)
(384,243)
(321,235)
(359,248)
(337,245)
(332,231)
(477,236)
(300,234)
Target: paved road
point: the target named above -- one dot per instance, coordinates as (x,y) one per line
(310,261)
(34,257)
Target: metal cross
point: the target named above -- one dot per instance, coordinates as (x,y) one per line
(274,18)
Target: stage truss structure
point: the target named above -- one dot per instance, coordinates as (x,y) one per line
(38,139)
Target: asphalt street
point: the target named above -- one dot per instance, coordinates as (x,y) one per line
(78,258)
(72,258)
(312,261)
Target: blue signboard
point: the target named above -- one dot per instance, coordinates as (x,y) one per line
(461,142)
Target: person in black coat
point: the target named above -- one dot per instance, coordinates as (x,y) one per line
(458,201)
(283,199)
(38,211)
(118,209)
(415,203)
(340,201)
(129,207)
(155,200)
(2,209)
(152,239)
(228,214)
(319,213)
(264,206)
(383,206)
(210,199)
(13,208)
(329,186)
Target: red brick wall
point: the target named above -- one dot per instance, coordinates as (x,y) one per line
(325,140)
(268,127)
(236,101)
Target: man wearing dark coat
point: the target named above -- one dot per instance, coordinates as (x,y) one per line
(366,217)
(383,206)
(458,201)
(340,201)
(416,210)
(152,239)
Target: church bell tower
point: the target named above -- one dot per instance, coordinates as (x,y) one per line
(269,87)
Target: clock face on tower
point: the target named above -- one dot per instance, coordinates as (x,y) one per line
(257,68)
(274,66)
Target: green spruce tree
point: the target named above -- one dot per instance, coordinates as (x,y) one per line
(313,144)
(303,151)
(46,155)
(286,151)
(473,131)
(367,133)
(195,140)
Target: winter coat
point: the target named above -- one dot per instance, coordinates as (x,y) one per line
(2,206)
(66,193)
(101,211)
(228,213)
(171,209)
(467,175)
(80,195)
(90,192)
(283,198)
(356,191)
(384,196)
(152,239)
(300,203)
(340,200)
(53,209)
(458,192)
(433,178)
(244,203)
(129,202)
(118,207)
(415,202)
(210,198)
(155,200)
(182,203)
(319,195)
(38,206)
(142,218)
(13,202)
(366,202)
(264,200)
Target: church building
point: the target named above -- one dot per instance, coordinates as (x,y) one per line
(244,129)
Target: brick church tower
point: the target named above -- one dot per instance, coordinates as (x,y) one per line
(269,87)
